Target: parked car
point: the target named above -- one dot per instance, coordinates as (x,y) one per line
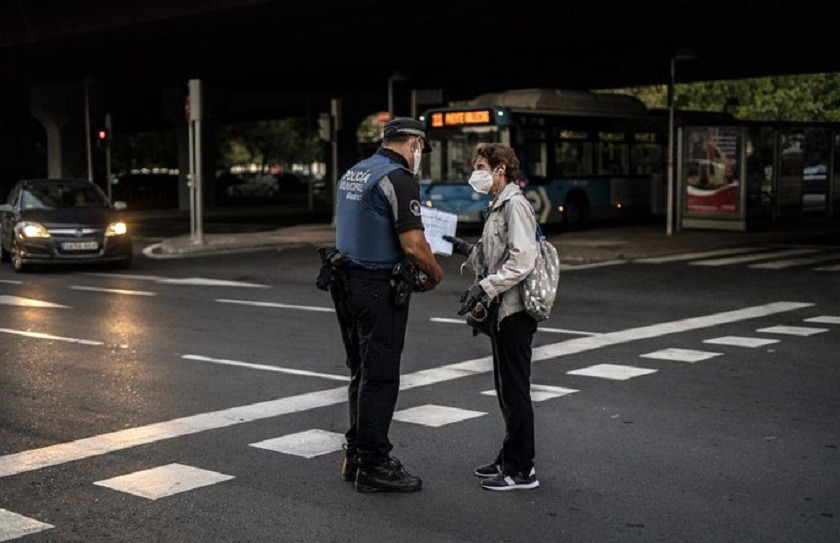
(59,221)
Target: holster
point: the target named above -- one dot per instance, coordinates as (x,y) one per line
(332,275)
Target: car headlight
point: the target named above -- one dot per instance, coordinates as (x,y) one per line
(116,229)
(33,230)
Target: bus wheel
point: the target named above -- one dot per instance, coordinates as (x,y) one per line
(576,212)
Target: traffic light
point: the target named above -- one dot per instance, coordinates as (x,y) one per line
(103,138)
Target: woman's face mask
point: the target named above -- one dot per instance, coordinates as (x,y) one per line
(481,181)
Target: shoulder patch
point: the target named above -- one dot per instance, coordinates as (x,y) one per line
(414,206)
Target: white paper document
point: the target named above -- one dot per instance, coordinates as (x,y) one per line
(436,224)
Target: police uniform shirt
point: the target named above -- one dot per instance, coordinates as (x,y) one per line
(369,220)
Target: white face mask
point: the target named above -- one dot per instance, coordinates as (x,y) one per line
(481,181)
(417,155)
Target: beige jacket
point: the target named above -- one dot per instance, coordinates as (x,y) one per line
(508,249)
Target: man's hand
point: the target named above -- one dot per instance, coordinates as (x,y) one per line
(459,245)
(471,297)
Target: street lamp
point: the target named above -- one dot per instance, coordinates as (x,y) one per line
(680,54)
(397,75)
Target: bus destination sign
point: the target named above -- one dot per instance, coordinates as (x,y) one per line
(462,118)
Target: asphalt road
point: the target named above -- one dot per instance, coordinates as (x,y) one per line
(652,422)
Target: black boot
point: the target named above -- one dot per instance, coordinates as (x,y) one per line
(350,464)
(387,475)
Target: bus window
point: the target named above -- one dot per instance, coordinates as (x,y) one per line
(574,158)
(535,163)
(645,155)
(452,160)
(612,154)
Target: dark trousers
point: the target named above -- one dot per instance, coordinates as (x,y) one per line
(373,332)
(512,376)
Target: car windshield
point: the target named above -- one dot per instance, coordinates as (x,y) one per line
(60,196)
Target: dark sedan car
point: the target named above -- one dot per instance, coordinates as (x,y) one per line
(57,221)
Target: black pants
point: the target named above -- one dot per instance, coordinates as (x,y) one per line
(373,332)
(512,376)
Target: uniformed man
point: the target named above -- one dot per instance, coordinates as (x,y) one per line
(379,232)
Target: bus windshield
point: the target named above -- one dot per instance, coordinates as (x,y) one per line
(451,158)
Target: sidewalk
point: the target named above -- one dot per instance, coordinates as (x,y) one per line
(582,247)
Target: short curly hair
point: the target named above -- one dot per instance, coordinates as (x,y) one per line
(496,155)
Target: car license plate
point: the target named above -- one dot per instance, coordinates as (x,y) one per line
(80,245)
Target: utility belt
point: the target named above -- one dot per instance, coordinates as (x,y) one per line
(365,273)
(335,273)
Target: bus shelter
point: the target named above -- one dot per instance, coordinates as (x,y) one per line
(744,175)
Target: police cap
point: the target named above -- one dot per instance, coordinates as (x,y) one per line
(406,126)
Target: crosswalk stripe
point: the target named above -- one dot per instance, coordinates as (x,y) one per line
(789,263)
(693,256)
(27,302)
(13,525)
(836,267)
(752,257)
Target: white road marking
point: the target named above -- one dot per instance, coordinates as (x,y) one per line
(681,355)
(541,393)
(114,291)
(751,258)
(265,367)
(308,444)
(825,319)
(540,329)
(126,276)
(782,264)
(738,341)
(27,302)
(201,281)
(612,371)
(13,525)
(277,305)
(10,282)
(829,268)
(694,256)
(38,335)
(573,267)
(163,481)
(435,415)
(191,281)
(61,453)
(792,330)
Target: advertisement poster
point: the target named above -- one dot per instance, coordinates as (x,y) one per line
(712,187)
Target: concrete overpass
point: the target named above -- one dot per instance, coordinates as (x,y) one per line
(263,59)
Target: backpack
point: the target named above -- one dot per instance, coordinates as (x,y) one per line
(539,289)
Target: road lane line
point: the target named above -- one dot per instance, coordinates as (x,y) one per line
(277,305)
(10,282)
(38,335)
(28,302)
(53,455)
(265,367)
(751,258)
(694,256)
(540,329)
(114,290)
(574,267)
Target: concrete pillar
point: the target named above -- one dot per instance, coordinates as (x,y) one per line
(60,108)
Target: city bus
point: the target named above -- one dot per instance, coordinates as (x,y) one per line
(583,156)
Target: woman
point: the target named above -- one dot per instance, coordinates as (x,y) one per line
(501,260)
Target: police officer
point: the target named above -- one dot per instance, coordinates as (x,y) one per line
(378,229)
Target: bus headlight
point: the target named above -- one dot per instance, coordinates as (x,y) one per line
(116,229)
(33,230)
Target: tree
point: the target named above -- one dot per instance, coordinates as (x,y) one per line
(810,97)
(283,141)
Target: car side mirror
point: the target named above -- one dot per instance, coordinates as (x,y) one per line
(5,207)
(119,205)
